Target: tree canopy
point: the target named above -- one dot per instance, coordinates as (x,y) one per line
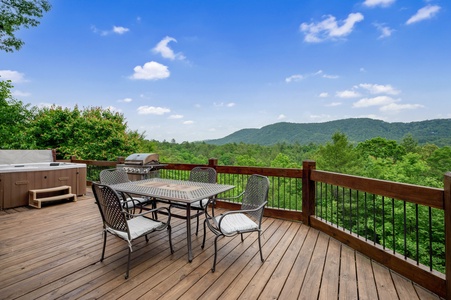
(15,14)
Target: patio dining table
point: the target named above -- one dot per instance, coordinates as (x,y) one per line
(169,190)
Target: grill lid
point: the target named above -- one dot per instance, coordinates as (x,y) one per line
(142,159)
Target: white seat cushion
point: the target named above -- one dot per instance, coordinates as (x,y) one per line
(197,204)
(235,223)
(138,226)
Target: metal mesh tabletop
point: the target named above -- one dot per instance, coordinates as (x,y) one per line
(176,190)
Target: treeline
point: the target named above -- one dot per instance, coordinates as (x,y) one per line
(101,134)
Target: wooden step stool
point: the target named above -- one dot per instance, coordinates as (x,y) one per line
(56,193)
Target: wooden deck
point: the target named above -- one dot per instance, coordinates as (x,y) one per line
(54,252)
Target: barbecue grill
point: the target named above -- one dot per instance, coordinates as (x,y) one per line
(145,165)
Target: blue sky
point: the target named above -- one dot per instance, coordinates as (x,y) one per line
(196,70)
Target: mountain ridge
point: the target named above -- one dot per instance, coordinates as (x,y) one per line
(436,131)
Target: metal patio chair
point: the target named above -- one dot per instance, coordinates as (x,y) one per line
(197,174)
(119,222)
(247,219)
(119,175)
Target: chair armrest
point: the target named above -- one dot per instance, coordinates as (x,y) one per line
(166,210)
(233,197)
(241,211)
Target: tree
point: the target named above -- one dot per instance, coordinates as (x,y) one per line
(15,14)
(14,119)
(92,133)
(338,156)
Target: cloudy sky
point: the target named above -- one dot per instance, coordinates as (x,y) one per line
(203,69)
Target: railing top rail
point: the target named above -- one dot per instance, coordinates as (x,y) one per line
(429,196)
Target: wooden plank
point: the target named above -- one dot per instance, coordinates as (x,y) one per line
(420,274)
(384,283)
(312,281)
(218,282)
(277,280)
(365,277)
(331,273)
(348,274)
(298,272)
(237,286)
(404,287)
(263,275)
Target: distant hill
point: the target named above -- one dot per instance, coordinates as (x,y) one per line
(431,131)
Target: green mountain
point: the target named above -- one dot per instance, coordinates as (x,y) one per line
(430,131)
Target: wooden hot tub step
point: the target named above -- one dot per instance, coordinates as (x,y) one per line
(35,197)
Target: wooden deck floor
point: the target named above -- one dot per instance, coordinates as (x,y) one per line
(54,252)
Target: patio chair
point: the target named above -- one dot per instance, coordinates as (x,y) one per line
(247,219)
(119,175)
(197,174)
(119,222)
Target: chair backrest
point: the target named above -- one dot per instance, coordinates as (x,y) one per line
(110,207)
(255,194)
(203,174)
(113,176)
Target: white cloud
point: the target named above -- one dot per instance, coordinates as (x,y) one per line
(120,29)
(281,117)
(188,122)
(347,94)
(14,76)
(376,101)
(222,104)
(424,13)
(176,117)
(116,30)
(294,78)
(324,95)
(125,100)
(151,71)
(379,89)
(163,49)
(385,30)
(394,107)
(330,76)
(152,110)
(333,104)
(329,28)
(383,3)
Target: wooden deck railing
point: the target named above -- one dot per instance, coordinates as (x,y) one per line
(314,197)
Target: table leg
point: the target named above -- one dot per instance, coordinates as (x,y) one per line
(188,232)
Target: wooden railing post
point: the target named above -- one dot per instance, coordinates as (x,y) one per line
(447,196)
(213,162)
(308,191)
(120,160)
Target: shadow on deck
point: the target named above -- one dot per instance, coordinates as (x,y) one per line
(54,252)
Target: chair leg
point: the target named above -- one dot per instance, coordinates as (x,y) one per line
(260,246)
(242,238)
(216,254)
(197,225)
(147,238)
(170,238)
(128,263)
(205,233)
(104,245)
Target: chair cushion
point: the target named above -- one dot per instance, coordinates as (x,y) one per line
(130,204)
(198,204)
(235,223)
(138,226)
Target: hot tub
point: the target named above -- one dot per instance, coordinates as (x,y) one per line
(16,179)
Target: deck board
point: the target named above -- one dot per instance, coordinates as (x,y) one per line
(54,253)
